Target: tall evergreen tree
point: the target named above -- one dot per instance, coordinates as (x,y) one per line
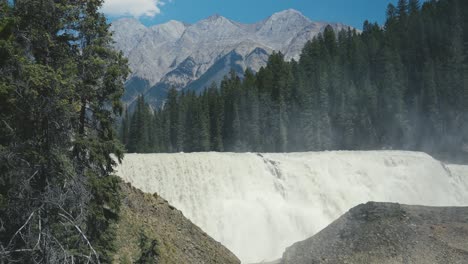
(125,128)
(413,6)
(173,108)
(58,198)
(402,8)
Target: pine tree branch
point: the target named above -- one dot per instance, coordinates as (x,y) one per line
(8,126)
(82,234)
(21,228)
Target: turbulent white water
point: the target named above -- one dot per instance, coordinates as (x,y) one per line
(258,204)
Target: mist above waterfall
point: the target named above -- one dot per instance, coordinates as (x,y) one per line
(258,204)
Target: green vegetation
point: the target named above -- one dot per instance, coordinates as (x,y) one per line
(150,230)
(60,89)
(400,86)
(149,250)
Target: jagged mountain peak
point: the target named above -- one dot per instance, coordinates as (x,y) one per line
(214,17)
(216,20)
(288,12)
(127,32)
(172,28)
(280,28)
(215,30)
(158,54)
(172,23)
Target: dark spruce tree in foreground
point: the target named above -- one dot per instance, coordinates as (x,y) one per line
(400,86)
(60,89)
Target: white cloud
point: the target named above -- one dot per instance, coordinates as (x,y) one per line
(136,8)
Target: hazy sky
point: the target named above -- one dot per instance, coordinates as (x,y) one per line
(150,12)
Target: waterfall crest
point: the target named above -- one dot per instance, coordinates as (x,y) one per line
(258,204)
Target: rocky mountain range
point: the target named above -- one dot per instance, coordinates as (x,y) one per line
(185,56)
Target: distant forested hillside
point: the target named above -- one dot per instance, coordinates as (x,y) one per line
(402,85)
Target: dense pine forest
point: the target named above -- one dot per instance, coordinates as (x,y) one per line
(403,85)
(60,89)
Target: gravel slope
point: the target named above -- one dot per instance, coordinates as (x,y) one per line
(388,233)
(179,240)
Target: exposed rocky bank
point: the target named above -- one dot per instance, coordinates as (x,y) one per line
(178,239)
(388,233)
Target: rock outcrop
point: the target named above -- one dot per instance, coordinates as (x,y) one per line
(388,233)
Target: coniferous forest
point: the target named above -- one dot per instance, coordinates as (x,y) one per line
(401,85)
(60,88)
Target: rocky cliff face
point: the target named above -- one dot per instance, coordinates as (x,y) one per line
(388,233)
(177,54)
(177,239)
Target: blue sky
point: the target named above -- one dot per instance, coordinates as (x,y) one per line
(150,12)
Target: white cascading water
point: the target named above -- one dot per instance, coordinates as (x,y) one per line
(259,204)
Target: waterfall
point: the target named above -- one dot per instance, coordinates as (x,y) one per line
(258,204)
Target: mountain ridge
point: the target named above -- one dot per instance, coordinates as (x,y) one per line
(156,52)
